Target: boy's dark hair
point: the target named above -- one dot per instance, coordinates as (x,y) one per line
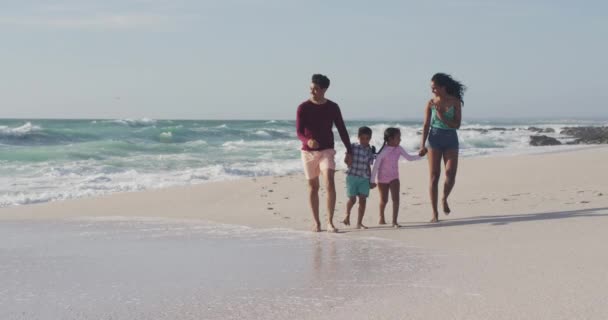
(365,130)
(320,80)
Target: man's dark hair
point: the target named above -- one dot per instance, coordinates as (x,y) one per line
(365,130)
(320,80)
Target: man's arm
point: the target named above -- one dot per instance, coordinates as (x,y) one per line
(339,122)
(300,126)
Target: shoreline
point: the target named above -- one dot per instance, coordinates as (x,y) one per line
(526,237)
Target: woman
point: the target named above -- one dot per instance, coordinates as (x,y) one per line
(443,115)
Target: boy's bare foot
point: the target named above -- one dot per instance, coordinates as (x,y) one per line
(346,221)
(361,226)
(434,220)
(331,228)
(396,225)
(316,228)
(382,221)
(446,208)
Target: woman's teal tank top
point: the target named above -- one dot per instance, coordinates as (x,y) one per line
(437,123)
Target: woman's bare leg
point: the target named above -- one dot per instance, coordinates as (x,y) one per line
(434,157)
(450,159)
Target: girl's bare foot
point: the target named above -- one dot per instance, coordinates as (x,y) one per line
(434,220)
(346,221)
(331,228)
(446,208)
(396,225)
(316,228)
(361,226)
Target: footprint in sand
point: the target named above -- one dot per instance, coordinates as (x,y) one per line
(286,198)
(270,208)
(286,217)
(599,194)
(584,201)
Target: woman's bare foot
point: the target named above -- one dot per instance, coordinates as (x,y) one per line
(434,220)
(361,226)
(331,228)
(346,220)
(396,225)
(316,228)
(446,208)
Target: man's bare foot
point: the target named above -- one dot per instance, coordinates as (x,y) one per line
(361,226)
(396,225)
(434,220)
(316,228)
(346,221)
(446,208)
(331,228)
(382,221)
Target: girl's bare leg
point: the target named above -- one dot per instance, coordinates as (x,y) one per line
(383,190)
(395,187)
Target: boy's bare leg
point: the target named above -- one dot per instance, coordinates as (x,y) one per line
(331,199)
(313,199)
(349,206)
(383,189)
(395,187)
(362,203)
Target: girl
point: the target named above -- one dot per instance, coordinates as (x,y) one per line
(386,168)
(443,116)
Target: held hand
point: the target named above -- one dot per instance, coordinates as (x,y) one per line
(313,144)
(372,185)
(422,152)
(348,159)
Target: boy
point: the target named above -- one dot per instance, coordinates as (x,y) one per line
(358,175)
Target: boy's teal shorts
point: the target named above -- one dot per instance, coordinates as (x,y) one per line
(356,186)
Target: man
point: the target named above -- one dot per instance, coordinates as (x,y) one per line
(314,122)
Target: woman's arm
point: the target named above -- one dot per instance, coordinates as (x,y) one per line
(425,127)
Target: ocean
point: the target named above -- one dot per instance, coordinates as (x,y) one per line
(50,160)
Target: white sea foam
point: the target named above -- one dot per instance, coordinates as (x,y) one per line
(20,131)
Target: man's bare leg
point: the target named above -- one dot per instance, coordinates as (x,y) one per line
(313,199)
(331,199)
(349,206)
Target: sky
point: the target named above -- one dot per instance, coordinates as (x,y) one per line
(253,59)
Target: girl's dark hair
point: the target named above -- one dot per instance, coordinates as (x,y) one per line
(389,133)
(452,87)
